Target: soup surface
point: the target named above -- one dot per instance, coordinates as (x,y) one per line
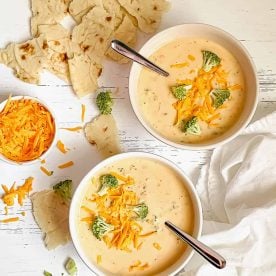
(154,248)
(183,59)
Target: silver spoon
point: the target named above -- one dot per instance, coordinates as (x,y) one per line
(206,252)
(126,51)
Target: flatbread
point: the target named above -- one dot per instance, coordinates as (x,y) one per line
(147,12)
(125,32)
(123,25)
(47,12)
(79,8)
(57,47)
(52,215)
(26,59)
(92,36)
(103,133)
(84,73)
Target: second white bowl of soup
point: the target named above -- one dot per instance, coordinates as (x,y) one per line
(210,94)
(118,229)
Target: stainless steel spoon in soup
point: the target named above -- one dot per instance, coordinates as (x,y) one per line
(128,52)
(206,252)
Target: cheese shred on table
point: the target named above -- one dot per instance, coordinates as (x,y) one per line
(61,147)
(66,165)
(26,130)
(18,193)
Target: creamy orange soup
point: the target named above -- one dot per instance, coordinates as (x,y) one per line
(155,248)
(183,59)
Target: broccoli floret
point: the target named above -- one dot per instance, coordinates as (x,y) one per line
(180,91)
(107,181)
(104,102)
(64,189)
(220,96)
(210,60)
(141,210)
(192,126)
(46,273)
(100,228)
(71,267)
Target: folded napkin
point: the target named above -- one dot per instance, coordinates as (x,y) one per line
(238,194)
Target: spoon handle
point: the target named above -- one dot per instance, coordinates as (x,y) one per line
(126,51)
(209,254)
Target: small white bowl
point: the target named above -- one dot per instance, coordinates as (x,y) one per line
(222,38)
(74,207)
(43,156)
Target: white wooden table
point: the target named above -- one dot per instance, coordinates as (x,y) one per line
(22,251)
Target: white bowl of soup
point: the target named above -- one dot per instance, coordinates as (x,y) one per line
(119,229)
(210,95)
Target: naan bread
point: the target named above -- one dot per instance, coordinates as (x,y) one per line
(103,133)
(147,12)
(47,12)
(26,59)
(57,47)
(52,216)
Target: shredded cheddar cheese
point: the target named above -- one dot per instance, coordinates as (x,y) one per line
(127,231)
(43,161)
(77,128)
(138,266)
(14,219)
(198,101)
(18,193)
(157,246)
(61,147)
(6,210)
(191,57)
(27,130)
(66,165)
(180,65)
(46,171)
(83,109)
(99,259)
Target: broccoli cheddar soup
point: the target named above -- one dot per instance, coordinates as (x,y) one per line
(201,99)
(120,222)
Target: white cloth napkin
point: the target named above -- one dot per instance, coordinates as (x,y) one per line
(238,194)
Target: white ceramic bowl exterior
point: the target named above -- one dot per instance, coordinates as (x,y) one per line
(76,201)
(43,156)
(225,40)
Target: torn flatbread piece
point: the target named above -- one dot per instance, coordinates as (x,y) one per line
(47,12)
(26,59)
(103,133)
(93,33)
(127,33)
(148,13)
(79,8)
(52,215)
(57,47)
(84,73)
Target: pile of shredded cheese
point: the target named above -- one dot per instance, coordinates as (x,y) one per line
(16,193)
(198,101)
(27,130)
(113,207)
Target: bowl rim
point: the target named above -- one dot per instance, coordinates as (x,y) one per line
(43,156)
(196,146)
(121,156)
